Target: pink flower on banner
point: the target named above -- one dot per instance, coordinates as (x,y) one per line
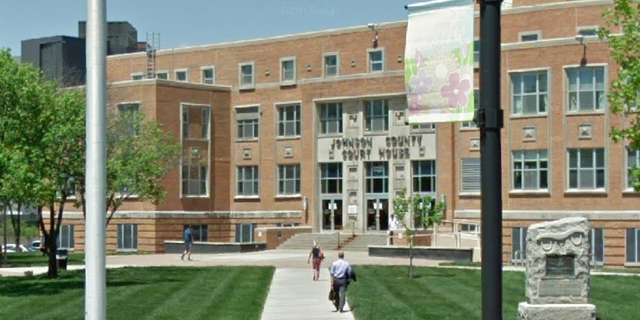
(456,90)
(419,59)
(414,98)
(421,82)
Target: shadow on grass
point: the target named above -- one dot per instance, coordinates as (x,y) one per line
(73,280)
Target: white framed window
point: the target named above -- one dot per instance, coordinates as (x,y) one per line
(476,105)
(596,239)
(127,236)
(247,181)
(137,76)
(244,232)
(633,160)
(377,177)
(200,232)
(529,36)
(331,65)
(586,89)
(131,109)
(429,126)
(331,178)
(375,60)
(529,93)
(208,75)
(331,118)
(289,120)
(632,245)
(65,237)
(246,75)
(195,121)
(376,114)
(424,177)
(181,74)
(518,243)
(470,177)
(530,170)
(288,179)
(587,31)
(587,170)
(248,123)
(195,180)
(163,75)
(288,71)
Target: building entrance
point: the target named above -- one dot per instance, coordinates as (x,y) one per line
(377,214)
(332,214)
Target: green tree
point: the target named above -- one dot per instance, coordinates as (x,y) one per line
(622,33)
(401,207)
(427,211)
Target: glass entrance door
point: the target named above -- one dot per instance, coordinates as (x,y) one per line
(377,214)
(332,214)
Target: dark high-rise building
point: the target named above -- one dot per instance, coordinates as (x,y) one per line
(60,58)
(122,37)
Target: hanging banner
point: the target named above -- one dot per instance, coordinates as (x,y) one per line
(439,61)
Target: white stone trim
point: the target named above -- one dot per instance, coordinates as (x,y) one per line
(186,73)
(555,214)
(196,214)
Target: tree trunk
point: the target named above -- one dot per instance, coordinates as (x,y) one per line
(16,226)
(410,257)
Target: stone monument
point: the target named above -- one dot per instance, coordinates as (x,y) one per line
(557,271)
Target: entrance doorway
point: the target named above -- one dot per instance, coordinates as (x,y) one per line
(377,214)
(331,214)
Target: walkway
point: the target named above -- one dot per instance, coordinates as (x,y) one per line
(294,295)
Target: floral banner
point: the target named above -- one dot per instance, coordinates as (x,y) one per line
(439,61)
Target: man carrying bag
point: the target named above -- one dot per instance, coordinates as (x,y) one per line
(341,275)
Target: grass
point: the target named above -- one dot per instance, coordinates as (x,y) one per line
(158,293)
(466,263)
(385,292)
(30,259)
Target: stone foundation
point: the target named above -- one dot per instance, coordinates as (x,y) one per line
(528,311)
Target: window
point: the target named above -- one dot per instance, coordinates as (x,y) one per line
(195,121)
(194,180)
(130,110)
(248,181)
(586,169)
(470,168)
(164,75)
(586,89)
(137,76)
(588,31)
(246,75)
(65,237)
(476,50)
(529,36)
(181,75)
(596,239)
(127,236)
(377,177)
(423,126)
(633,245)
(469,227)
(424,176)
(376,60)
(330,65)
(530,170)
(288,70)
(208,75)
(244,232)
(529,93)
(289,120)
(248,123)
(200,232)
(476,105)
(376,115)
(331,118)
(289,179)
(519,243)
(633,160)
(331,178)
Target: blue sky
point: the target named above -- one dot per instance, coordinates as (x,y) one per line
(193,22)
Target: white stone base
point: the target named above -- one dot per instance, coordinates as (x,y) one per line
(528,311)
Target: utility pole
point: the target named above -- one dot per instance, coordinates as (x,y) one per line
(95,275)
(490,122)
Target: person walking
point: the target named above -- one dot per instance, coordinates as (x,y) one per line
(341,275)
(317,254)
(188,242)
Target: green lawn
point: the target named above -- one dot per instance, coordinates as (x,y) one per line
(29,259)
(158,293)
(385,292)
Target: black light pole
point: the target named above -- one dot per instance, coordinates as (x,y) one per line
(490,123)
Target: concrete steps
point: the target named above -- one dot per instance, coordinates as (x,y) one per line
(361,242)
(304,241)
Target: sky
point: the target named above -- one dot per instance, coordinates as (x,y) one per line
(193,22)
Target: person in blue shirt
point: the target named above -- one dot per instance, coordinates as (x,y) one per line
(341,275)
(188,242)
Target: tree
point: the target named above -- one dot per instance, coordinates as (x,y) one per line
(401,208)
(622,33)
(139,154)
(427,211)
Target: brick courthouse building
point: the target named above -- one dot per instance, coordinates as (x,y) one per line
(297,129)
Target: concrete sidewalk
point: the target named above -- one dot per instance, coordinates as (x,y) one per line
(294,295)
